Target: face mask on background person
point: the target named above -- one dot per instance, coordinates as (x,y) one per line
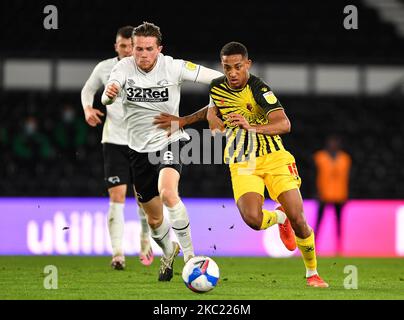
(30,127)
(68,115)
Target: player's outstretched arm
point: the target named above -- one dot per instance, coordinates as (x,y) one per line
(173,123)
(278,123)
(197,116)
(206,75)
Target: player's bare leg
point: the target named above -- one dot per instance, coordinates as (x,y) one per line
(250,207)
(160,232)
(116,224)
(146,255)
(168,189)
(292,203)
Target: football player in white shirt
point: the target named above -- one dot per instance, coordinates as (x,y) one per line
(150,83)
(117,170)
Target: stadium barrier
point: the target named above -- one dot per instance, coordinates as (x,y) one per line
(77,226)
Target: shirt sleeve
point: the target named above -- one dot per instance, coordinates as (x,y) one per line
(92,85)
(266,98)
(206,75)
(189,71)
(118,74)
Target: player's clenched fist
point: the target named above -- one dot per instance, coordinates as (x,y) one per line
(112,91)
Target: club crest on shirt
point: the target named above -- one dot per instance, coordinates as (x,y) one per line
(162,83)
(270,97)
(190,66)
(131,82)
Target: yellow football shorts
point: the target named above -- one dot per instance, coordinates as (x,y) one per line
(276,171)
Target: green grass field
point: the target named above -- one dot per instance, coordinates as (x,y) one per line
(241,278)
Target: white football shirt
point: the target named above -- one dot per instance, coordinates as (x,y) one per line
(146,95)
(114,129)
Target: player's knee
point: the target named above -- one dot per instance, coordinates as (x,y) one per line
(252,218)
(117,197)
(169,197)
(154,222)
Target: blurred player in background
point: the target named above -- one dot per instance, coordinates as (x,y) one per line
(150,83)
(117,169)
(333,167)
(254,119)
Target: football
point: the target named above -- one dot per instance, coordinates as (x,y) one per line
(200,274)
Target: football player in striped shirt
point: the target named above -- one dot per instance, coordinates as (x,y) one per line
(254,119)
(247,110)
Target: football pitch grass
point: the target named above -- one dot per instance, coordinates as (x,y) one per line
(23,277)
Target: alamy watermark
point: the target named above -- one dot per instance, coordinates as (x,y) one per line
(351,280)
(227,147)
(50,280)
(51,20)
(351,20)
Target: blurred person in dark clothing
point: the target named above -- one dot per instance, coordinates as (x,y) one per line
(70,132)
(30,143)
(4,138)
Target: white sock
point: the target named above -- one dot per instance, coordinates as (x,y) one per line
(162,237)
(145,230)
(180,224)
(116,225)
(281,216)
(310,273)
